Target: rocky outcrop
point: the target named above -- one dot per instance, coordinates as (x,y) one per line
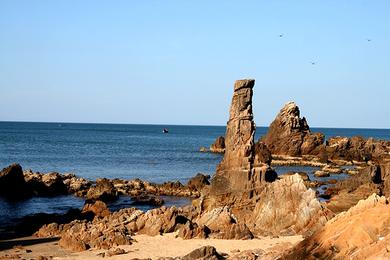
(244,198)
(218,146)
(203,253)
(361,232)
(289,134)
(116,228)
(357,148)
(12,183)
(371,179)
(240,172)
(103,190)
(198,182)
(287,207)
(96,209)
(53,184)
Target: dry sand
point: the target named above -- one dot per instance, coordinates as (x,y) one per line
(150,247)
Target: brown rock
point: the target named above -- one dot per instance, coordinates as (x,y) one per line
(104,190)
(290,135)
(12,183)
(218,146)
(198,182)
(321,174)
(240,171)
(287,207)
(203,253)
(97,209)
(361,232)
(192,230)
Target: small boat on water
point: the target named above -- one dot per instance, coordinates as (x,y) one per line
(165,131)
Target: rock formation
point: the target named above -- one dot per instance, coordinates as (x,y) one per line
(12,183)
(371,179)
(289,134)
(244,195)
(357,148)
(218,146)
(238,174)
(361,232)
(287,207)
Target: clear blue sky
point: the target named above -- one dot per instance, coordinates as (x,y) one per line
(175,62)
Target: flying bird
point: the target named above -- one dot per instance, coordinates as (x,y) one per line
(368,40)
(280,35)
(313,63)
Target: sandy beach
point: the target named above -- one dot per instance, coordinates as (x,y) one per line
(144,246)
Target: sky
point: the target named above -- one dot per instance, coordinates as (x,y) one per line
(175,62)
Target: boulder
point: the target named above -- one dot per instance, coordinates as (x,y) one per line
(96,209)
(198,182)
(192,230)
(161,220)
(147,199)
(104,190)
(357,148)
(12,183)
(321,174)
(203,253)
(218,146)
(289,134)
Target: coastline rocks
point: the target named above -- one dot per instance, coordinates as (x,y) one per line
(104,190)
(147,199)
(238,173)
(290,135)
(287,207)
(192,230)
(321,174)
(82,235)
(203,253)
(357,148)
(161,220)
(369,180)
(361,232)
(198,182)
(218,146)
(50,184)
(12,183)
(96,209)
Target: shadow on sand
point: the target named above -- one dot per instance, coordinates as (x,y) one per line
(9,244)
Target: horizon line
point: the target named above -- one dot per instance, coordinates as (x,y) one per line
(170,124)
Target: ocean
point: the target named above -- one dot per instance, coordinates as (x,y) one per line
(122,151)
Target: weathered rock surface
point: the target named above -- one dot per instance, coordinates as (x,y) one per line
(12,183)
(287,207)
(203,253)
(53,184)
(240,172)
(104,190)
(357,148)
(198,182)
(218,146)
(361,232)
(244,198)
(289,134)
(371,179)
(96,209)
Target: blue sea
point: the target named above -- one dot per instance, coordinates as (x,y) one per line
(116,151)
